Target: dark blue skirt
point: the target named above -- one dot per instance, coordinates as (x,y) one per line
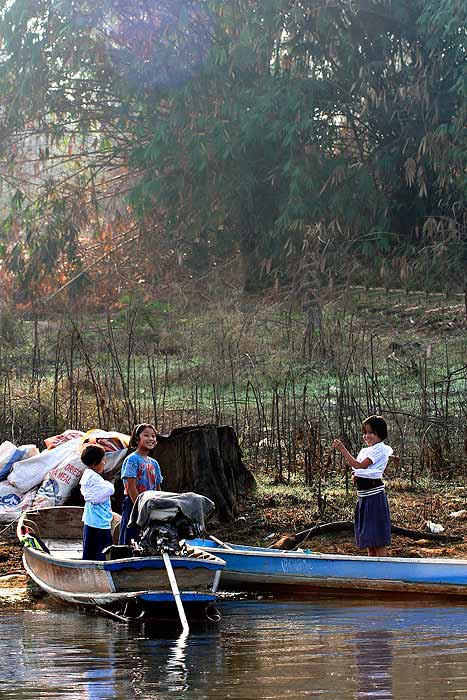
(373,521)
(127,533)
(95,540)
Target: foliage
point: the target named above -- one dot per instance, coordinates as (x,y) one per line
(291,131)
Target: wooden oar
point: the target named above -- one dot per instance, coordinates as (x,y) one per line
(175,591)
(220,543)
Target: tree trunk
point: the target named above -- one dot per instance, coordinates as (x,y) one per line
(205,459)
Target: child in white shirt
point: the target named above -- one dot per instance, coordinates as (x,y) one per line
(97,516)
(372,515)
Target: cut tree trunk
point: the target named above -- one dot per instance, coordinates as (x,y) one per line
(205,459)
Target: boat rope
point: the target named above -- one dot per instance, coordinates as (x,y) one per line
(134,617)
(116,616)
(8,525)
(212,613)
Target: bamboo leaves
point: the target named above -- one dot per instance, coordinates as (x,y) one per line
(269,117)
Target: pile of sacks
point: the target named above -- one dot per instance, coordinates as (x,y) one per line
(33,479)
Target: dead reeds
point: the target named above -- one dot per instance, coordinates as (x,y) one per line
(287,383)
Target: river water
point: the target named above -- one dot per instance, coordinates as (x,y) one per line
(326,648)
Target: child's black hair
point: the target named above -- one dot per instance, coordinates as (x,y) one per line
(92,455)
(136,432)
(378,425)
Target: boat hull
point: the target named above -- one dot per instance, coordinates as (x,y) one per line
(63,574)
(250,568)
(90,583)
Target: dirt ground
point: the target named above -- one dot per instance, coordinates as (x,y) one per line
(10,559)
(15,591)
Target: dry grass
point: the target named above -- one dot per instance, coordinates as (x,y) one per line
(272,511)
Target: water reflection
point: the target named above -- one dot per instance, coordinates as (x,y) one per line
(322,648)
(162,661)
(177,671)
(100,679)
(374,663)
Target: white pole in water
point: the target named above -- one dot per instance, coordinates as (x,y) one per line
(215,583)
(175,591)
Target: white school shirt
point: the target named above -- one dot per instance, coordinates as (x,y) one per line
(379,455)
(96,492)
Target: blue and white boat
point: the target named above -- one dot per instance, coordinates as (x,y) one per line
(261,568)
(52,556)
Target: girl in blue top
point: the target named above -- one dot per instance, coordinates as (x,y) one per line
(372,515)
(98,514)
(139,473)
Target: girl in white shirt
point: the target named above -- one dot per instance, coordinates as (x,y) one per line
(372,515)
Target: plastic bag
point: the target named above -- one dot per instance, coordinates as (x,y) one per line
(113,463)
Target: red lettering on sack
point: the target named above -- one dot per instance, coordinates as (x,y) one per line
(74,470)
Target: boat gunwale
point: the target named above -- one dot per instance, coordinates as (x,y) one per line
(233,549)
(216,562)
(133,562)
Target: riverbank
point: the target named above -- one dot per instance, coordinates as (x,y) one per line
(274,510)
(16,592)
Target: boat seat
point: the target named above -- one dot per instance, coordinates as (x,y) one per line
(118,551)
(68,549)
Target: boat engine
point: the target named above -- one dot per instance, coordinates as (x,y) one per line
(166,535)
(166,520)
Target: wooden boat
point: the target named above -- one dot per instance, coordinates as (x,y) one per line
(255,568)
(109,585)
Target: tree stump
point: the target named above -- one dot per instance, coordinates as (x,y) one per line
(205,459)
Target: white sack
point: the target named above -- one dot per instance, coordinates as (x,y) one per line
(56,440)
(31,472)
(59,482)
(10,454)
(13,502)
(110,440)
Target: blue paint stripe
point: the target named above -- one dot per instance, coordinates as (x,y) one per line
(311,568)
(186,597)
(137,563)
